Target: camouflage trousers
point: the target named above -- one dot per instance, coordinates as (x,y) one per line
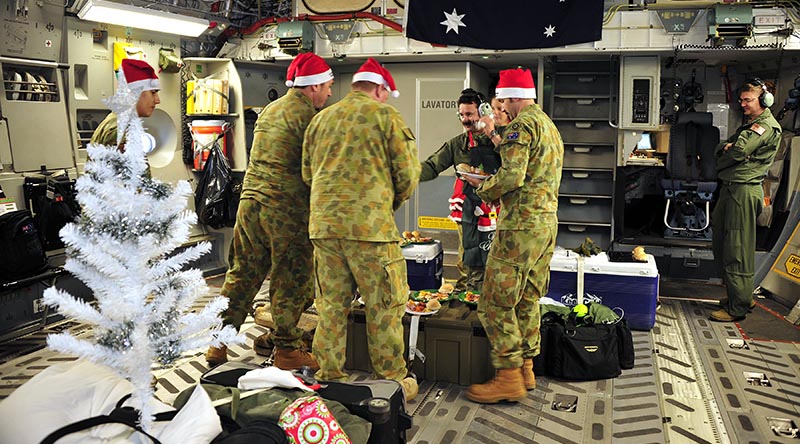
(517,275)
(734,242)
(378,270)
(469,278)
(269,240)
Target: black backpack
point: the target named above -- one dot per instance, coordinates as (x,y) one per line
(51,198)
(23,253)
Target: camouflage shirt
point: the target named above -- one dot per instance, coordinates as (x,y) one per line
(453,152)
(274,168)
(754,146)
(106,132)
(526,184)
(360,160)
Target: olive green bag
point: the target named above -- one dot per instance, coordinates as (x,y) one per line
(168,61)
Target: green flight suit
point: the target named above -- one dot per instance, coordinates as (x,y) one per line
(360,160)
(452,153)
(741,170)
(518,267)
(271,231)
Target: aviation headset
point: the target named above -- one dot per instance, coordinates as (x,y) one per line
(766,99)
(469,95)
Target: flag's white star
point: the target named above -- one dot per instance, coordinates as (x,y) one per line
(550,31)
(453,21)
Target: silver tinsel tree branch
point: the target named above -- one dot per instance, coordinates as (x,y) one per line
(123,247)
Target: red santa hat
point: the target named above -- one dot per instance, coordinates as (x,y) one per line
(140,75)
(308,69)
(372,71)
(515,83)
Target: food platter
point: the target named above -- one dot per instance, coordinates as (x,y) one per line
(469,297)
(419,308)
(427,295)
(421,241)
(420,313)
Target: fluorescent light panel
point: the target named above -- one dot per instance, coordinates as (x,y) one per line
(103,11)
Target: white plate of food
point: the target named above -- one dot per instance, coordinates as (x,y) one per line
(420,308)
(475,175)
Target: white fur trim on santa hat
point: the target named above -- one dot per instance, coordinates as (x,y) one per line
(368,76)
(516,93)
(145,85)
(316,79)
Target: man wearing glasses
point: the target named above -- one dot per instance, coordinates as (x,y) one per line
(742,163)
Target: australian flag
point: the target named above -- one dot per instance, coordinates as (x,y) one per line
(505,24)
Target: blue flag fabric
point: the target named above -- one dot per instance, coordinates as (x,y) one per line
(505,24)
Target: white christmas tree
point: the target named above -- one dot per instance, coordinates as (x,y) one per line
(123,248)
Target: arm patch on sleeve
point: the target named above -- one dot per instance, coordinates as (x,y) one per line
(758,129)
(514,135)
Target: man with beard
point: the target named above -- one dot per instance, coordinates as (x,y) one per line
(473,148)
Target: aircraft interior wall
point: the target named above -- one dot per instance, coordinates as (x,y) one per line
(428,90)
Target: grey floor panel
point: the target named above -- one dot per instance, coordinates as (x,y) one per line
(691,412)
(636,415)
(735,366)
(688,386)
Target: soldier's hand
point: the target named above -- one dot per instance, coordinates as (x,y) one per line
(488,125)
(472,181)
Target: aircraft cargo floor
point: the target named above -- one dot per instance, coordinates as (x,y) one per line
(694,381)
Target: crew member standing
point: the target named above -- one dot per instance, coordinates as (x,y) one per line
(498,113)
(474,147)
(141,78)
(518,268)
(271,231)
(742,164)
(360,160)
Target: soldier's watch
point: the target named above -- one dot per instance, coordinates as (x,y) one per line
(494,133)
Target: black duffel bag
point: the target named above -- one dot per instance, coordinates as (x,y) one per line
(579,349)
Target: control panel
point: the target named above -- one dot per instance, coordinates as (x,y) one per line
(639,100)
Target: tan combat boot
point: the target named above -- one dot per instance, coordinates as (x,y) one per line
(410,388)
(291,359)
(527,374)
(216,356)
(507,385)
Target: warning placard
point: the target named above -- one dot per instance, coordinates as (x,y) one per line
(436,223)
(793,266)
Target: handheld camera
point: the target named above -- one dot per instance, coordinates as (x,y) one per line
(484,109)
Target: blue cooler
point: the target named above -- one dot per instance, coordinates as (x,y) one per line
(630,286)
(425,264)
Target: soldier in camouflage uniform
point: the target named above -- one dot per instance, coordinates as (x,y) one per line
(742,164)
(142,78)
(457,151)
(360,160)
(271,231)
(518,269)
